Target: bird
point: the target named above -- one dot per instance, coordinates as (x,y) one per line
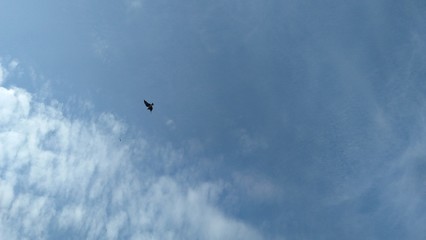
(148,105)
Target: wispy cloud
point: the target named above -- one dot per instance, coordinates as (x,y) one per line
(3,73)
(386,183)
(13,64)
(101,48)
(133,4)
(257,187)
(63,175)
(7,66)
(249,142)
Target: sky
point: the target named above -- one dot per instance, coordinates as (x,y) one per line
(273,119)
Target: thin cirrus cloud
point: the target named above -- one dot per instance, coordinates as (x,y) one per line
(63,176)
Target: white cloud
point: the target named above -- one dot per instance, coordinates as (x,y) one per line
(6,70)
(101,48)
(171,124)
(2,74)
(249,143)
(133,4)
(69,176)
(257,187)
(6,194)
(13,64)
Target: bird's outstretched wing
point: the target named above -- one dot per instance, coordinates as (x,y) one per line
(146,103)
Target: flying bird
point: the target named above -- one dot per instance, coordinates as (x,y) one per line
(149,105)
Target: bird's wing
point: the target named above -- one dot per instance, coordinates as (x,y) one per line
(146,103)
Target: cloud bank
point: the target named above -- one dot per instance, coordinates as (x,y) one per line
(62,177)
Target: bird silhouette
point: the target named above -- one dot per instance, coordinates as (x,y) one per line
(148,105)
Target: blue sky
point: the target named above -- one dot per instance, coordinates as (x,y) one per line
(273,119)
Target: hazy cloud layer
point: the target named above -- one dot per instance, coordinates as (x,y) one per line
(65,177)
